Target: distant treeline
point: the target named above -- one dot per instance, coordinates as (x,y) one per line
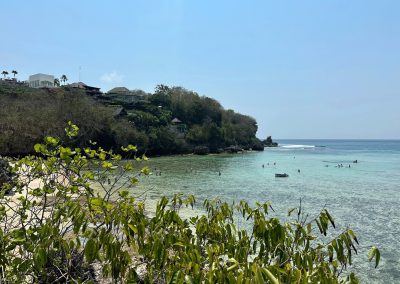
(27,115)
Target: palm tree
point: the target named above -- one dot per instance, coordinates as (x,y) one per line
(4,73)
(14,72)
(64,79)
(56,82)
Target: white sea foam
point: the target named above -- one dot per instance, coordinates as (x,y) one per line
(294,146)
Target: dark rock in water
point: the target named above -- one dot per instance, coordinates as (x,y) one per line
(201,150)
(269,143)
(233,149)
(258,146)
(219,151)
(247,147)
(5,174)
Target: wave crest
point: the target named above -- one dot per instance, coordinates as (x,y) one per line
(296,146)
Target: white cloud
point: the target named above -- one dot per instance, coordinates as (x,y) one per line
(112,78)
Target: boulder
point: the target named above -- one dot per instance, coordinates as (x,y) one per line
(201,150)
(247,147)
(258,146)
(233,149)
(269,143)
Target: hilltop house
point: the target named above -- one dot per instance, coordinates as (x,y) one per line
(178,127)
(41,81)
(125,95)
(92,91)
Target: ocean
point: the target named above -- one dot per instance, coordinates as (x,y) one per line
(364,196)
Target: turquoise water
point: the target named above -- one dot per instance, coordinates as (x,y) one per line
(365,197)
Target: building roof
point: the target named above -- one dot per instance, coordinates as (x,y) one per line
(118,90)
(41,75)
(119,111)
(80,85)
(176,120)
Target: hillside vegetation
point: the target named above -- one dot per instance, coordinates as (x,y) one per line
(27,115)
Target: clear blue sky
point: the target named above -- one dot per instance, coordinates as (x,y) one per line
(303,69)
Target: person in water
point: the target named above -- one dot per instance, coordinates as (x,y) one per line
(298,170)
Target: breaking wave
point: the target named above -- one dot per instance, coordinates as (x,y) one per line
(295,146)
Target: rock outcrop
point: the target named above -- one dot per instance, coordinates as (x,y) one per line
(258,146)
(201,150)
(269,143)
(233,149)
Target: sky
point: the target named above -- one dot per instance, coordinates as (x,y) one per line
(302,69)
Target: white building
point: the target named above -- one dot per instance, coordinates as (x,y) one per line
(41,81)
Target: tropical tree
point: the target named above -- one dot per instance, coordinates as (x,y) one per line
(4,73)
(56,82)
(14,73)
(63,79)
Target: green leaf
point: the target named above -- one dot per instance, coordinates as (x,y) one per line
(39,148)
(145,170)
(374,253)
(91,250)
(259,276)
(234,265)
(330,218)
(270,276)
(175,277)
(90,175)
(96,201)
(189,279)
(102,156)
(133,228)
(40,258)
(134,180)
(71,130)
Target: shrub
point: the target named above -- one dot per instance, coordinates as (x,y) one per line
(73,212)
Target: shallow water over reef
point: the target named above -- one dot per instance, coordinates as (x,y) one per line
(364,196)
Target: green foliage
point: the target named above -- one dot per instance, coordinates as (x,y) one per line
(73,211)
(28,115)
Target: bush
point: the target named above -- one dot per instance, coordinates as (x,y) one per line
(73,210)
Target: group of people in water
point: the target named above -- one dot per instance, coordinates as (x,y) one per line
(268,164)
(158,172)
(341,166)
